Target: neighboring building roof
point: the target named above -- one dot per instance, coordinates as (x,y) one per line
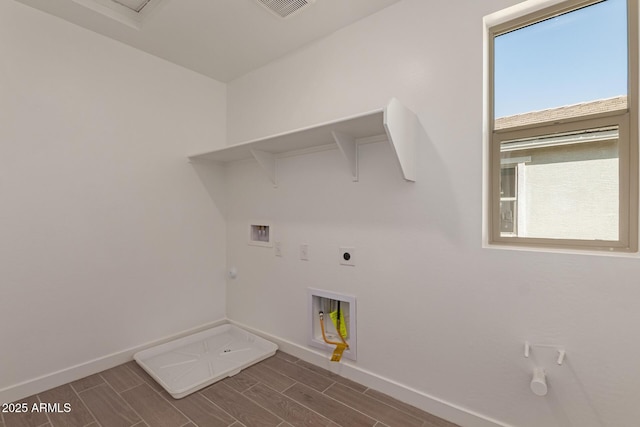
(559,113)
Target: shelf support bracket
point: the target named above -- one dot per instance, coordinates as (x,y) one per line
(267,162)
(349,149)
(402,127)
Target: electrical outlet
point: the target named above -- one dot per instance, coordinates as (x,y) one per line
(347,256)
(304,252)
(277,248)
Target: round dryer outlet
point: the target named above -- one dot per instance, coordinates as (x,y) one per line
(347,256)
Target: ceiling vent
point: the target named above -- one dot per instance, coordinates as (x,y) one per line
(128,12)
(135,5)
(285,8)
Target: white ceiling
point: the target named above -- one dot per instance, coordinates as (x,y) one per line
(223,39)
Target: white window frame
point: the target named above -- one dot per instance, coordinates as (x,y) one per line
(626,120)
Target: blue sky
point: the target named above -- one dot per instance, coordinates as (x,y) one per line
(576,57)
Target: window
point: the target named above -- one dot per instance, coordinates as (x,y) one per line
(563,127)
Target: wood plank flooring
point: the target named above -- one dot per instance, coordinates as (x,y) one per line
(281,391)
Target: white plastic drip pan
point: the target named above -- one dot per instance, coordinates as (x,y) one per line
(191,363)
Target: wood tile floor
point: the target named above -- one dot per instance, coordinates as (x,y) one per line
(281,391)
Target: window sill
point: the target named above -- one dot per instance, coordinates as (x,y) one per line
(589,252)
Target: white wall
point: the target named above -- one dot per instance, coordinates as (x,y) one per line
(436,311)
(108,239)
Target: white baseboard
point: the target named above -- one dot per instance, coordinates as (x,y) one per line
(73,373)
(404,393)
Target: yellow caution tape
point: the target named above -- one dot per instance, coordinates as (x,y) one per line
(337,353)
(340,346)
(335,315)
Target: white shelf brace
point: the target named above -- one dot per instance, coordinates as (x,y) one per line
(349,149)
(402,127)
(267,162)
